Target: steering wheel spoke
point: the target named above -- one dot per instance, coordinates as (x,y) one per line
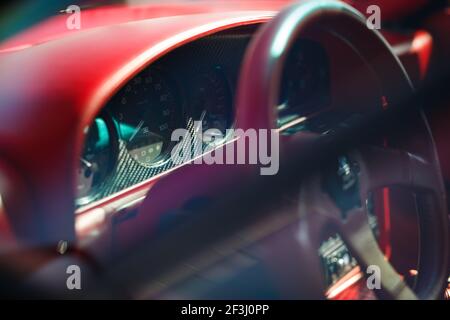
(320,217)
(359,238)
(385,167)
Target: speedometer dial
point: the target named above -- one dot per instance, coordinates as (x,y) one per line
(147,112)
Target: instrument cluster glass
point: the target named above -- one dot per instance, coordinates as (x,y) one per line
(138,122)
(130,141)
(146,111)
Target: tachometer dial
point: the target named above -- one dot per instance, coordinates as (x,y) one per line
(147,111)
(98,157)
(211,100)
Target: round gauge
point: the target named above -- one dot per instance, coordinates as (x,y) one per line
(147,111)
(305,82)
(211,100)
(98,157)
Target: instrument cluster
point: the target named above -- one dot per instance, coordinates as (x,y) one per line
(130,140)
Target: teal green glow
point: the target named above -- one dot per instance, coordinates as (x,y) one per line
(103,134)
(281,39)
(126,131)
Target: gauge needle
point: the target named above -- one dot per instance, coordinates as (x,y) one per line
(86,163)
(202,116)
(141,123)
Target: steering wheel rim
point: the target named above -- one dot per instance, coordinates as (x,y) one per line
(257,96)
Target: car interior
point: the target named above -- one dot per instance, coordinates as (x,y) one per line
(311,149)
